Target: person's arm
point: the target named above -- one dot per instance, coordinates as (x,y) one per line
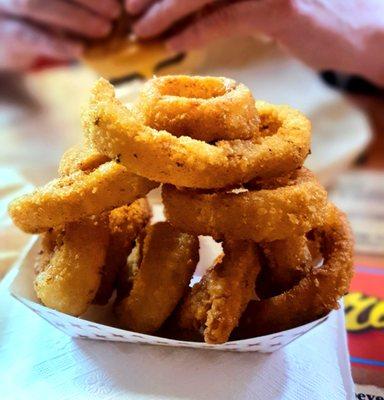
(346,35)
(33,28)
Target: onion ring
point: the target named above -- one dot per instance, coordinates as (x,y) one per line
(125,224)
(76,196)
(158,155)
(204,108)
(316,294)
(169,258)
(70,264)
(216,303)
(258,215)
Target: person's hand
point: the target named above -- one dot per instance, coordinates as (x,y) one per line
(345,35)
(50,28)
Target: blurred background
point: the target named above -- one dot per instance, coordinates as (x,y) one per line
(324,58)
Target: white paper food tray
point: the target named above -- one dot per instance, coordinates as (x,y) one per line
(92,325)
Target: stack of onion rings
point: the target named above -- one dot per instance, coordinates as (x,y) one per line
(273,216)
(116,131)
(231,168)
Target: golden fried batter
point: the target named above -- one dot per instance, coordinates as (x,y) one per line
(182,161)
(258,215)
(288,261)
(77,196)
(69,273)
(316,294)
(215,304)
(169,258)
(80,158)
(204,108)
(125,224)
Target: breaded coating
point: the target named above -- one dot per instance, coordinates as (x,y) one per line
(288,261)
(258,215)
(70,270)
(125,224)
(316,294)
(215,304)
(168,261)
(203,108)
(80,158)
(182,161)
(77,196)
